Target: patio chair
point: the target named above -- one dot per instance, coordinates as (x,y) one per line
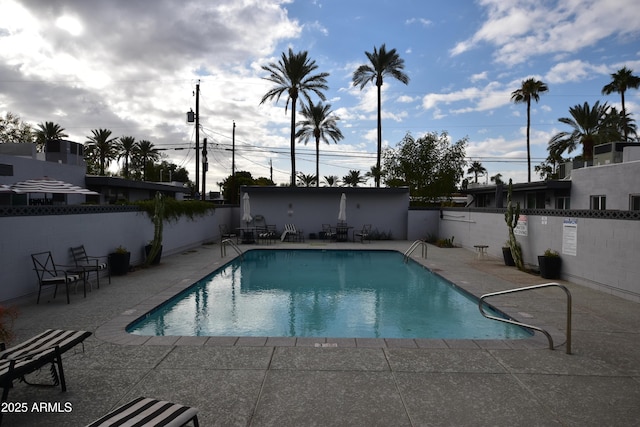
(90,264)
(328,232)
(290,232)
(225,233)
(35,353)
(50,274)
(364,234)
(145,411)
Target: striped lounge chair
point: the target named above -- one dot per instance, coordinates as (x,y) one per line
(35,353)
(147,412)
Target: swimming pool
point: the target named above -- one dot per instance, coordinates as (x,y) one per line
(323,293)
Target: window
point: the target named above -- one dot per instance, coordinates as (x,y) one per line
(598,203)
(634,202)
(536,200)
(563,203)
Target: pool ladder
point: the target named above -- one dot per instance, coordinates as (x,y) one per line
(229,242)
(513,322)
(413,247)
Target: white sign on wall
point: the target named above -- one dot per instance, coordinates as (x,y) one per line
(522,228)
(570,236)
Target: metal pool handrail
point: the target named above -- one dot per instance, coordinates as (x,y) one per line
(413,247)
(223,248)
(524,325)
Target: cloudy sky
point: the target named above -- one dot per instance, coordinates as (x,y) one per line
(132,66)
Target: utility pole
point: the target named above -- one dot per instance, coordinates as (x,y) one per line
(198,136)
(233,151)
(205,167)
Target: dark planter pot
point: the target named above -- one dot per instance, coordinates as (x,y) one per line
(549,266)
(119,263)
(508,257)
(156,260)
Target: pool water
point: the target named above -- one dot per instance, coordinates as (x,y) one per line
(324,293)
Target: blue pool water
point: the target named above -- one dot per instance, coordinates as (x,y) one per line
(323,293)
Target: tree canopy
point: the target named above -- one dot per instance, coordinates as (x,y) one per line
(431,166)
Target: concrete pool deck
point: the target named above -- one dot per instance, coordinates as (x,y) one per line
(374,382)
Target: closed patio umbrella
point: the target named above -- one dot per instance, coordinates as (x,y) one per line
(342,214)
(246,215)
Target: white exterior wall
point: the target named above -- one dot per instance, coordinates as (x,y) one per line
(616,181)
(606,251)
(100,233)
(309,208)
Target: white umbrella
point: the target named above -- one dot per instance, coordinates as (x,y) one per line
(246,216)
(342,214)
(49,185)
(5,189)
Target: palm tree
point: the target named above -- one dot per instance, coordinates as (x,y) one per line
(622,80)
(48,131)
(126,148)
(320,125)
(589,128)
(497,178)
(307,180)
(102,147)
(353,178)
(477,169)
(530,89)
(331,180)
(293,75)
(382,63)
(145,152)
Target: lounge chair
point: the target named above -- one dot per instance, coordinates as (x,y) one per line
(225,233)
(145,411)
(50,274)
(364,234)
(267,234)
(90,264)
(35,353)
(290,232)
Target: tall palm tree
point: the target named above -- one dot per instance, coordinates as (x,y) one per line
(126,148)
(293,75)
(622,80)
(589,127)
(320,125)
(477,169)
(353,179)
(497,178)
(48,131)
(382,63)
(102,147)
(530,89)
(146,152)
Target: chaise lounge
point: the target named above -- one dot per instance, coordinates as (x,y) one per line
(35,353)
(147,412)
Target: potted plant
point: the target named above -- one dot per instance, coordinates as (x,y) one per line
(506,255)
(119,261)
(550,264)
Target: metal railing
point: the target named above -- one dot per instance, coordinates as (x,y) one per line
(229,242)
(413,247)
(524,325)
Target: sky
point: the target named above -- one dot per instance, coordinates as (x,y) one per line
(132,67)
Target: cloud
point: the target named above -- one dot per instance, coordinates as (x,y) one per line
(492,95)
(422,21)
(520,29)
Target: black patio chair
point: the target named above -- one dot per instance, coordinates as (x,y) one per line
(90,264)
(50,274)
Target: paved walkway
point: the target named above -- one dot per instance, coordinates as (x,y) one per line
(287,382)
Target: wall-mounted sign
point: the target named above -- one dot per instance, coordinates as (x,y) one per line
(570,236)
